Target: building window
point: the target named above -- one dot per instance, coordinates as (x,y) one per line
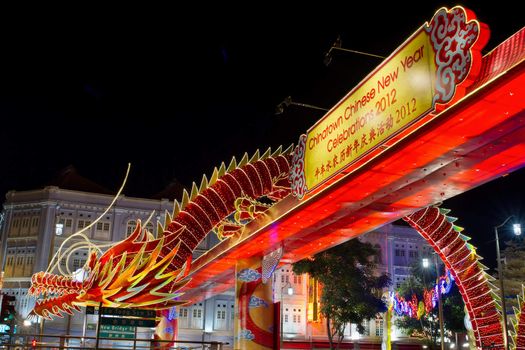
(413,254)
(80,224)
(131,227)
(379,328)
(297,279)
(150,227)
(102,230)
(366,326)
(400,252)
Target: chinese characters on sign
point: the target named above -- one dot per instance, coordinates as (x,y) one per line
(393,96)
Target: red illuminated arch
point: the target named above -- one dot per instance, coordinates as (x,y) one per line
(461,258)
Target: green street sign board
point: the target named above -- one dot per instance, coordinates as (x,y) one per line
(113,328)
(116,331)
(113,311)
(91,326)
(117,335)
(133,322)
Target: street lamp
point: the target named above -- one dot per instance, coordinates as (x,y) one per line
(517,231)
(426,264)
(288,102)
(290,292)
(337,45)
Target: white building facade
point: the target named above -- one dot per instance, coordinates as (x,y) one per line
(37,222)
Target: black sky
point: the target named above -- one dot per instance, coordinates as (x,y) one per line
(175,91)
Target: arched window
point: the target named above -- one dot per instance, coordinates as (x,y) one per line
(130,227)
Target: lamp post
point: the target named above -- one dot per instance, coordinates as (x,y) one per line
(290,292)
(426,264)
(440,305)
(517,232)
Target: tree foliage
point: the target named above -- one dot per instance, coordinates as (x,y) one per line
(427,326)
(351,287)
(513,271)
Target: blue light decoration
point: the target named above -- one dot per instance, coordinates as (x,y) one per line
(415,308)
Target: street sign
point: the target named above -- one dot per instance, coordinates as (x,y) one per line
(113,311)
(119,332)
(112,328)
(117,335)
(133,322)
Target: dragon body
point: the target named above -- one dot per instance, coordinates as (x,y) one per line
(147,272)
(461,259)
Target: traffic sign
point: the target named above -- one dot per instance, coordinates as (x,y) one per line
(114,311)
(117,335)
(116,331)
(113,328)
(133,322)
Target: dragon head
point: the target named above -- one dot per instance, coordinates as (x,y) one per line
(134,273)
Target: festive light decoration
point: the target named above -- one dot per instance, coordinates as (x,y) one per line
(461,259)
(146,272)
(415,308)
(518,337)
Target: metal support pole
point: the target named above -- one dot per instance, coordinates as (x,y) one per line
(282,322)
(84,326)
(440,305)
(502,290)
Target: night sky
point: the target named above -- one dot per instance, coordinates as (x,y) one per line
(175,91)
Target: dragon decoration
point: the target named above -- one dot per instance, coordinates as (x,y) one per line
(518,336)
(460,257)
(142,271)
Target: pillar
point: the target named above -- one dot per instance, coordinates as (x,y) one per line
(167,328)
(254,315)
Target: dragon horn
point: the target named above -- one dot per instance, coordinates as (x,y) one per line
(255,157)
(244,160)
(160,229)
(214,176)
(278,151)
(176,209)
(222,169)
(266,154)
(233,165)
(289,149)
(167,218)
(185,199)
(194,191)
(204,183)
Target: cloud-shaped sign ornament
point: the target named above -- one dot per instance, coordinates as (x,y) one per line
(457,39)
(248,275)
(257,302)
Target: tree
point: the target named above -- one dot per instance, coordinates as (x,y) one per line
(351,287)
(427,326)
(513,271)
